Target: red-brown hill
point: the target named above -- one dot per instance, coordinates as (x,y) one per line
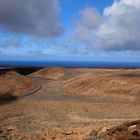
(51,73)
(13,84)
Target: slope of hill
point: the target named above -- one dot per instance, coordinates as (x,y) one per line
(13,84)
(51,73)
(100,84)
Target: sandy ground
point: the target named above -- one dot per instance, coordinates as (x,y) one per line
(53,114)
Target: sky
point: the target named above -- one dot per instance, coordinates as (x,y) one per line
(77,30)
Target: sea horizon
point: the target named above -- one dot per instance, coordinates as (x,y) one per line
(92,64)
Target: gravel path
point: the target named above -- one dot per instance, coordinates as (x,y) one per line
(55,93)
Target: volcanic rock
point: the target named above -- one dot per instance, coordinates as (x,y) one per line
(13,84)
(52,73)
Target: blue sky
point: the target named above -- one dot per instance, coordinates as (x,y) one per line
(70,9)
(85,30)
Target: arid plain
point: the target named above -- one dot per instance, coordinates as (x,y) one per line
(57,103)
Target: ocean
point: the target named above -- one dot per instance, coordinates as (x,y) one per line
(93,64)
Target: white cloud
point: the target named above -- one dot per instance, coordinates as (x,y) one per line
(118,30)
(86,27)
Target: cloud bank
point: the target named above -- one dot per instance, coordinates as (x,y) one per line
(32,17)
(87,26)
(118,29)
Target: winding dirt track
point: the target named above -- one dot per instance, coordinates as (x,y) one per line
(52,90)
(54,94)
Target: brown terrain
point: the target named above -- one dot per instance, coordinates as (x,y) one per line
(71,104)
(118,84)
(13,84)
(52,73)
